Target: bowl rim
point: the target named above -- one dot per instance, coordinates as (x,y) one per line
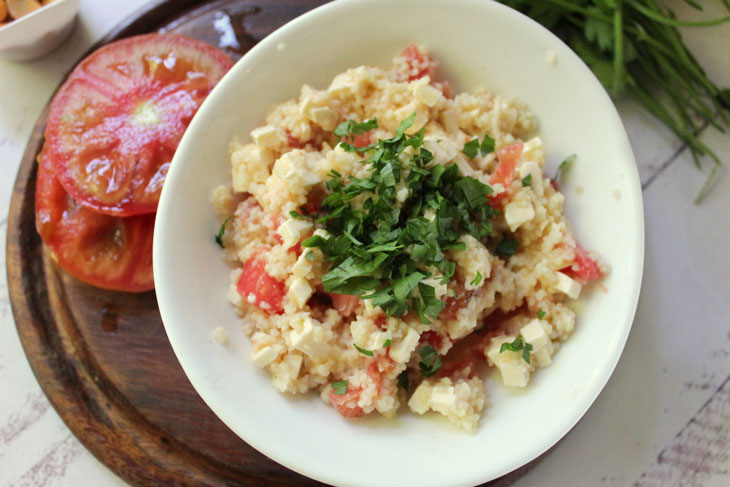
(588,397)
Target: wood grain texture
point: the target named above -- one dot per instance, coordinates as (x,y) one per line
(103,358)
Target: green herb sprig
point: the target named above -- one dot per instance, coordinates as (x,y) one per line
(518,344)
(635,47)
(381,248)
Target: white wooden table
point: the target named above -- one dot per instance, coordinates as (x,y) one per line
(662,420)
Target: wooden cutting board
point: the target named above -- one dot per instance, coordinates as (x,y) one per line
(102,357)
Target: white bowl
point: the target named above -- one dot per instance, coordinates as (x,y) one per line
(478,43)
(38,33)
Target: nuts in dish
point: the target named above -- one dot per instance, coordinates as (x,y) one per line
(390,242)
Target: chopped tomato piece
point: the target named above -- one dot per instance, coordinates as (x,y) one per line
(507,158)
(115,124)
(293,142)
(362,140)
(419,64)
(267,291)
(454,303)
(433,339)
(344,303)
(102,250)
(584,268)
(504,174)
(346,404)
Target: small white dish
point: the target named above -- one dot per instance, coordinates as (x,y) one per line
(38,33)
(478,44)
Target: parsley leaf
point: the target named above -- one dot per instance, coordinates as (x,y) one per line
(403,381)
(221,231)
(471,148)
(487,146)
(541,314)
(339,387)
(477,279)
(387,343)
(517,345)
(369,353)
(506,248)
(527,180)
(565,166)
(430,361)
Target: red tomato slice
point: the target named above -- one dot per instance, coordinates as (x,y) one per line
(105,251)
(269,292)
(114,125)
(584,268)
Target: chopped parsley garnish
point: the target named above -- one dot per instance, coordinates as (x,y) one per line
(472,147)
(506,248)
(387,343)
(430,361)
(221,231)
(382,249)
(369,353)
(527,180)
(403,381)
(477,279)
(349,129)
(339,387)
(541,314)
(565,166)
(517,345)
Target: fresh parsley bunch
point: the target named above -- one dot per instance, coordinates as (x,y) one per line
(384,247)
(634,47)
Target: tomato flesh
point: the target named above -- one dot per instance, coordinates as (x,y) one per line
(583,268)
(115,124)
(346,404)
(419,64)
(504,174)
(104,251)
(344,304)
(267,291)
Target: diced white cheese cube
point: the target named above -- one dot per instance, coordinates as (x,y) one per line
(443,398)
(442,148)
(220,335)
(567,285)
(324,117)
(518,212)
(299,292)
(533,150)
(450,120)
(512,367)
(543,357)
(408,110)
(536,179)
(292,231)
(400,351)
(424,92)
(402,194)
(353,81)
(263,356)
(303,265)
(534,334)
(266,136)
(515,374)
(310,338)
